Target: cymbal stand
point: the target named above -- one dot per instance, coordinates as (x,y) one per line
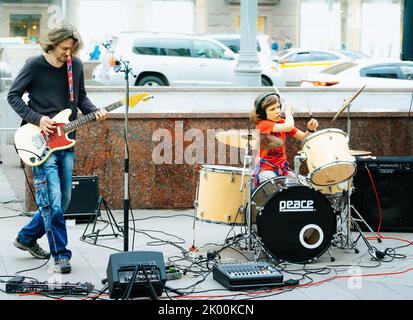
(248,164)
(344,237)
(349,243)
(252,243)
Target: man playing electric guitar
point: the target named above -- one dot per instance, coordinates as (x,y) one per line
(54,82)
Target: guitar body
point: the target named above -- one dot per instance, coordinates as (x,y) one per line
(35,147)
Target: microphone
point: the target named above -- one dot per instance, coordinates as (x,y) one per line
(118,61)
(108,45)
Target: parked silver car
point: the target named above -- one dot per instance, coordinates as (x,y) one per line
(373,72)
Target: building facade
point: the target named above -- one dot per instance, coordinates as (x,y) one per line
(370,26)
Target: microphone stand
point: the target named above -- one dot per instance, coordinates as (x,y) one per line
(123,66)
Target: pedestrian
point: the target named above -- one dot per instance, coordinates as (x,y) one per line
(274,44)
(288,44)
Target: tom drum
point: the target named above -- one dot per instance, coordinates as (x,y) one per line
(220,198)
(329,160)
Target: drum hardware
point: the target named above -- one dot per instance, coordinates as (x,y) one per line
(248,162)
(344,238)
(249,140)
(300,157)
(347,219)
(196,206)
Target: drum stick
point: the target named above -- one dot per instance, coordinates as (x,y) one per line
(279,94)
(281,99)
(309,109)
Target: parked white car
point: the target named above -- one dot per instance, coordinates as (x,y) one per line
(233,41)
(266,56)
(375,73)
(165,59)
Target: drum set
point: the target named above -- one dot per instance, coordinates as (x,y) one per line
(294,218)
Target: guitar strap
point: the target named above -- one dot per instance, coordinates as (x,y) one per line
(71,90)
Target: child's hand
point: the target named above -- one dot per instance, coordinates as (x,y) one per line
(312,124)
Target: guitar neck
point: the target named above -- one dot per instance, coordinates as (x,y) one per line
(73,125)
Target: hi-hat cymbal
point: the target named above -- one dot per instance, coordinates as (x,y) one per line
(348,102)
(360,152)
(240,138)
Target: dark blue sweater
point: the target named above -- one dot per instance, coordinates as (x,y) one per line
(48,90)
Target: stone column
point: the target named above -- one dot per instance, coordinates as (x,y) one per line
(134,14)
(248,69)
(200,21)
(354,14)
(72,12)
(407,46)
(343,23)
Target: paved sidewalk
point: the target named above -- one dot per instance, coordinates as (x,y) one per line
(350,277)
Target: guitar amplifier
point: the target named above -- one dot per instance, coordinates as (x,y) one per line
(139,267)
(250,275)
(392,178)
(85,198)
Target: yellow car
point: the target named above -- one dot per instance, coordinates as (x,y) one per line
(295,62)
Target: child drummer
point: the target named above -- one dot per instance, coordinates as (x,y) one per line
(267,118)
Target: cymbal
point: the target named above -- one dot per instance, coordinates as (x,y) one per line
(348,102)
(360,152)
(239,139)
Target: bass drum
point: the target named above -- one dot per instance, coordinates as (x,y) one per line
(295,223)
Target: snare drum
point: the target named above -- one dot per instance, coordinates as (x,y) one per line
(329,160)
(220,197)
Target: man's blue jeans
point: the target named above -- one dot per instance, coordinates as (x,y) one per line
(53,184)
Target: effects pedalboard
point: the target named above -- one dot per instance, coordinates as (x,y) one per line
(250,275)
(18,285)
